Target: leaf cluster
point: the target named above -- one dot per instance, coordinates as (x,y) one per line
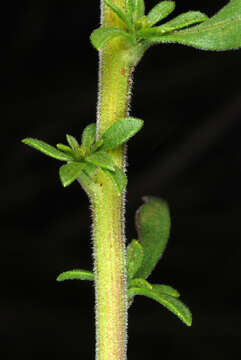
(220,32)
(85,159)
(153,227)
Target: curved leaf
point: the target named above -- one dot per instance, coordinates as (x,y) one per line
(130,8)
(172,304)
(102,35)
(139,283)
(182,21)
(97,145)
(153,227)
(47,149)
(139,9)
(160,12)
(69,173)
(73,143)
(118,179)
(121,131)
(64,148)
(134,254)
(221,32)
(90,171)
(101,159)
(165,289)
(76,274)
(135,9)
(88,136)
(136,283)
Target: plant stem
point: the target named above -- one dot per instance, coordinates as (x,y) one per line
(108,217)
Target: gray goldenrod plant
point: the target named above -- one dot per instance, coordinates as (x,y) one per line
(98,161)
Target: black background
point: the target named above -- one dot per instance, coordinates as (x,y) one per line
(188,152)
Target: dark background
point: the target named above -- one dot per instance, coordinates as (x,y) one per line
(189,153)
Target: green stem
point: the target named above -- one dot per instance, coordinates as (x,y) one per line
(108,207)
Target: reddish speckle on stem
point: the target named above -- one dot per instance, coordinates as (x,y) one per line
(123,72)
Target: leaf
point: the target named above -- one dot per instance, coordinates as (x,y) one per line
(88,136)
(97,145)
(153,227)
(121,131)
(47,149)
(65,148)
(90,171)
(87,177)
(135,9)
(221,32)
(102,35)
(73,143)
(171,303)
(160,12)
(139,9)
(101,159)
(139,283)
(76,274)
(134,254)
(165,289)
(69,173)
(179,22)
(130,8)
(118,12)
(118,179)
(182,21)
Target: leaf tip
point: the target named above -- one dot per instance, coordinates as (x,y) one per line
(61,277)
(188,321)
(26,141)
(94,36)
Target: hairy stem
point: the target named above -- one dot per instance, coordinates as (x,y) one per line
(108,207)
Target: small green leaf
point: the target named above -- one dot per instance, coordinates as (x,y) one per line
(134,254)
(179,22)
(88,136)
(69,173)
(101,159)
(139,283)
(121,131)
(65,148)
(165,289)
(47,149)
(90,171)
(118,179)
(182,21)
(220,32)
(87,177)
(130,8)
(76,274)
(135,9)
(101,36)
(172,304)
(139,9)
(97,145)
(118,12)
(153,227)
(73,143)
(160,12)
